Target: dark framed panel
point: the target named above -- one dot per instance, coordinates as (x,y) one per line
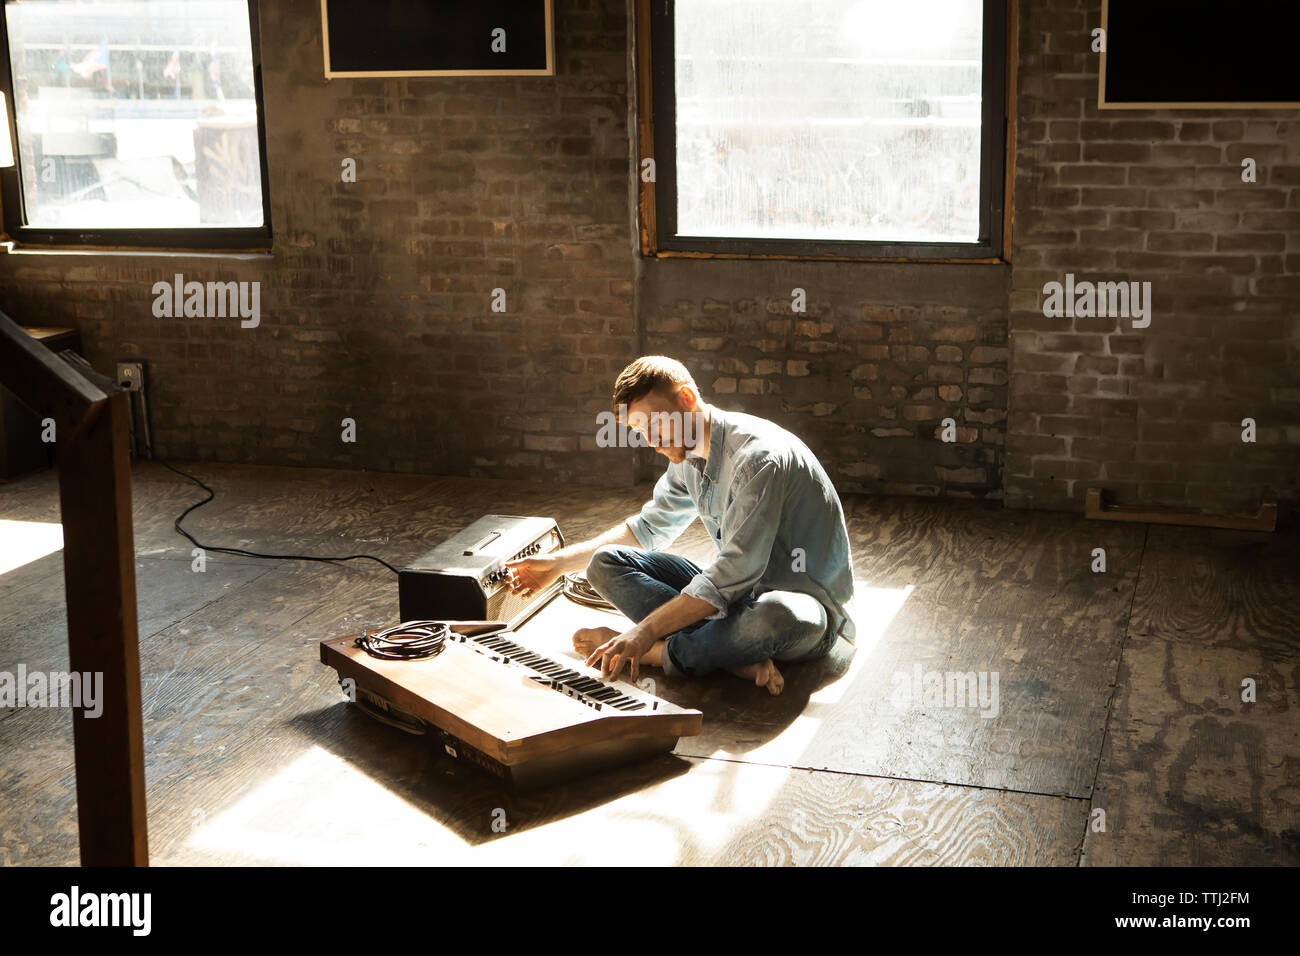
(657,123)
(1198,55)
(200,238)
(363,38)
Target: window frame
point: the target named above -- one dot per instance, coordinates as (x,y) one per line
(197,239)
(656,128)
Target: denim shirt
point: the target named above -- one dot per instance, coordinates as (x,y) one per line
(771,511)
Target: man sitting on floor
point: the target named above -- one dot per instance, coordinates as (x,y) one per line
(781,585)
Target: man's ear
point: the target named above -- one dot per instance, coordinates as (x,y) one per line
(688,396)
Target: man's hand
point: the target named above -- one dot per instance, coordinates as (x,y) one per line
(630,646)
(528,575)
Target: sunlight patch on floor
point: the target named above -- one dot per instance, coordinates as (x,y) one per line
(876,609)
(22,542)
(322,811)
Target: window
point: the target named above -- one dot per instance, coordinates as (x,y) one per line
(136,123)
(814,128)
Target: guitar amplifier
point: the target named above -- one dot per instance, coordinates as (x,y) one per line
(465,577)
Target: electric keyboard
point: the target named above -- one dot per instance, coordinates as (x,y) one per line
(524,717)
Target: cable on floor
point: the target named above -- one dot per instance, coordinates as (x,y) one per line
(252,554)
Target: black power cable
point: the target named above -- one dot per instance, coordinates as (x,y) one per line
(252,554)
(408,641)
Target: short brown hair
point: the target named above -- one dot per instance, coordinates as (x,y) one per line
(647,374)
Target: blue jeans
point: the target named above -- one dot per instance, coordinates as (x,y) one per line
(782,625)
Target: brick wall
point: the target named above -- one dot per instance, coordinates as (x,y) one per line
(1150,196)
(375,301)
(865,375)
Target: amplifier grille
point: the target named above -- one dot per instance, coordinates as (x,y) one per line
(505,604)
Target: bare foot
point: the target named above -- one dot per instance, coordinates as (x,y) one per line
(763,674)
(587,639)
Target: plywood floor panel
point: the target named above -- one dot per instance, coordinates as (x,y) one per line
(1191,775)
(34,624)
(1215,588)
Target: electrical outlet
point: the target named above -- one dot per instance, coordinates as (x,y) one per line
(130,376)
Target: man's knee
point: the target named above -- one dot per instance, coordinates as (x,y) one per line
(604,561)
(790,613)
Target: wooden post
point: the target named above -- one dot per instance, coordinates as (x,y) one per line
(90,416)
(99,577)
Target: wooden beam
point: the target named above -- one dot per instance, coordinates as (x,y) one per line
(1263,520)
(688,254)
(1012,76)
(41,381)
(644,128)
(99,578)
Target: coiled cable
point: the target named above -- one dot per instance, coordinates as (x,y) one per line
(408,641)
(579,590)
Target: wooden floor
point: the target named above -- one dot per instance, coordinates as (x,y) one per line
(1119,695)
